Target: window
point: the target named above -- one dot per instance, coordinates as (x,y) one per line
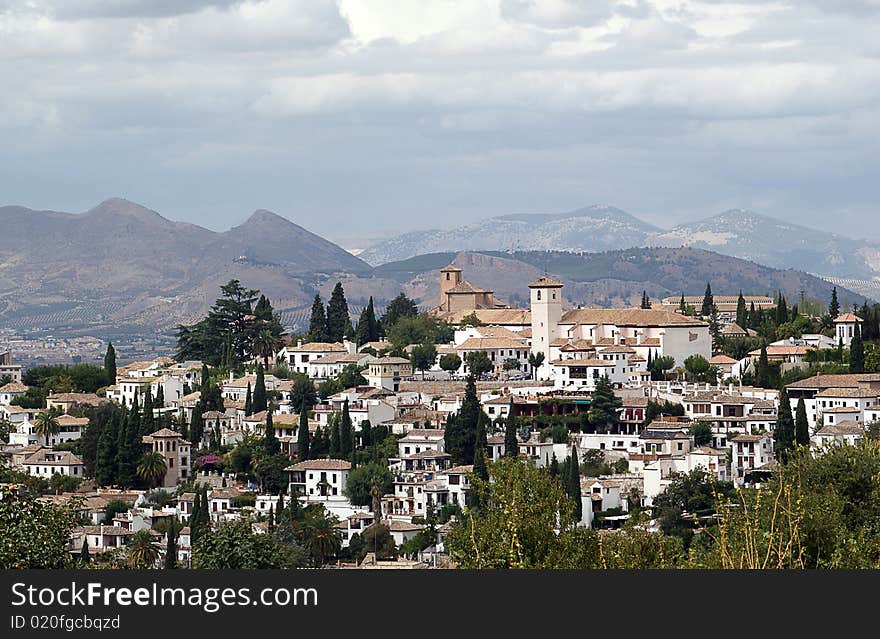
(539,294)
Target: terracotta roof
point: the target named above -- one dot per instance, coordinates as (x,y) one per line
(391,360)
(460,470)
(59,458)
(721,360)
(846,427)
(318,347)
(481,343)
(452,268)
(546,282)
(784,350)
(466,287)
(847,318)
(502,316)
(583,362)
(848,392)
(321,464)
(734,329)
(13,387)
(619,348)
(853,380)
(629,317)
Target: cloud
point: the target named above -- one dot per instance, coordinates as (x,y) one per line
(85,9)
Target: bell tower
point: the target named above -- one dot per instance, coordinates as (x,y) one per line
(546,309)
(450,277)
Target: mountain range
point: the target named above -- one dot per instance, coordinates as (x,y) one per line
(738,233)
(123,268)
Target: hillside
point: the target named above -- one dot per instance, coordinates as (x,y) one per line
(616,278)
(595,228)
(123,264)
(738,233)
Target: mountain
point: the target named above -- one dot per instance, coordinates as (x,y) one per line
(595,228)
(121,264)
(738,233)
(773,242)
(613,278)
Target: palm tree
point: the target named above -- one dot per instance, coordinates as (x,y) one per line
(152,468)
(46,426)
(535,361)
(264,345)
(140,551)
(319,534)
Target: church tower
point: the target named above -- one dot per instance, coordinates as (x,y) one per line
(546,309)
(450,277)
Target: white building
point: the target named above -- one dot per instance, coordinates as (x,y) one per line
(318,478)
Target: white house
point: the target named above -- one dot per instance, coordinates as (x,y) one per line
(750,452)
(317,478)
(46,462)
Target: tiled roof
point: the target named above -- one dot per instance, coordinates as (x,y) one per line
(321,464)
(629,317)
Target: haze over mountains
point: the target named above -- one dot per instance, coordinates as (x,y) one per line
(737,232)
(123,268)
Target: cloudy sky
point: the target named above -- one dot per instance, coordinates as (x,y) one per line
(361,117)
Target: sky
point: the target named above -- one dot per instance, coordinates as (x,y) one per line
(359,119)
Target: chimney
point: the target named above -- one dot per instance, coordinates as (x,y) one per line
(299,343)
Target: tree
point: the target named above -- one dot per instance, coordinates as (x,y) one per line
(269,470)
(573,484)
(337,314)
(646,301)
(450,362)
(110,363)
(834,305)
(603,414)
(271,445)
(708,301)
(34,534)
(362,480)
(801,425)
(368,326)
(400,306)
(171,544)
(741,312)
(423,357)
(857,352)
(259,400)
(333,426)
(461,429)
(554,466)
(248,401)
(702,433)
(265,344)
(105,458)
(302,436)
(346,433)
(317,322)
(511,445)
(46,426)
(84,555)
(152,468)
(235,546)
(784,434)
(762,369)
(302,394)
(478,363)
(141,551)
(660,366)
(697,367)
(536,360)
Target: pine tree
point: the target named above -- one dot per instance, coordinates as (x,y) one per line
(834,305)
(317,322)
(171,545)
(302,436)
(784,435)
(110,363)
(801,425)
(741,319)
(367,326)
(105,459)
(346,434)
(857,352)
(337,314)
(248,402)
(708,301)
(259,400)
(334,436)
(574,484)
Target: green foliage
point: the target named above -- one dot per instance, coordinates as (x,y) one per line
(338,319)
(450,362)
(59,378)
(784,433)
(698,369)
(34,534)
(110,363)
(461,429)
(317,322)
(418,329)
(478,363)
(423,356)
(362,479)
(693,493)
(302,394)
(368,329)
(701,432)
(603,414)
(401,306)
(234,545)
(378,539)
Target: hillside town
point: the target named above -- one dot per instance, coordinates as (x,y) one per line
(373,443)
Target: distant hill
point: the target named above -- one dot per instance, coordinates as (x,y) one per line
(776,243)
(121,263)
(738,233)
(616,278)
(595,228)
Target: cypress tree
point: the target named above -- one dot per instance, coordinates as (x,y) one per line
(270,442)
(271,527)
(753,318)
(110,363)
(346,434)
(134,415)
(554,466)
(280,507)
(857,352)
(461,429)
(84,555)
(801,425)
(148,422)
(366,434)
(781,311)
(834,305)
(197,426)
(318,447)
(337,314)
(160,397)
(302,436)
(784,435)
(334,436)
(511,445)
(682,307)
(171,545)
(741,318)
(105,458)
(762,370)
(708,301)
(574,484)
(368,325)
(128,453)
(194,516)
(317,322)
(259,400)
(248,402)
